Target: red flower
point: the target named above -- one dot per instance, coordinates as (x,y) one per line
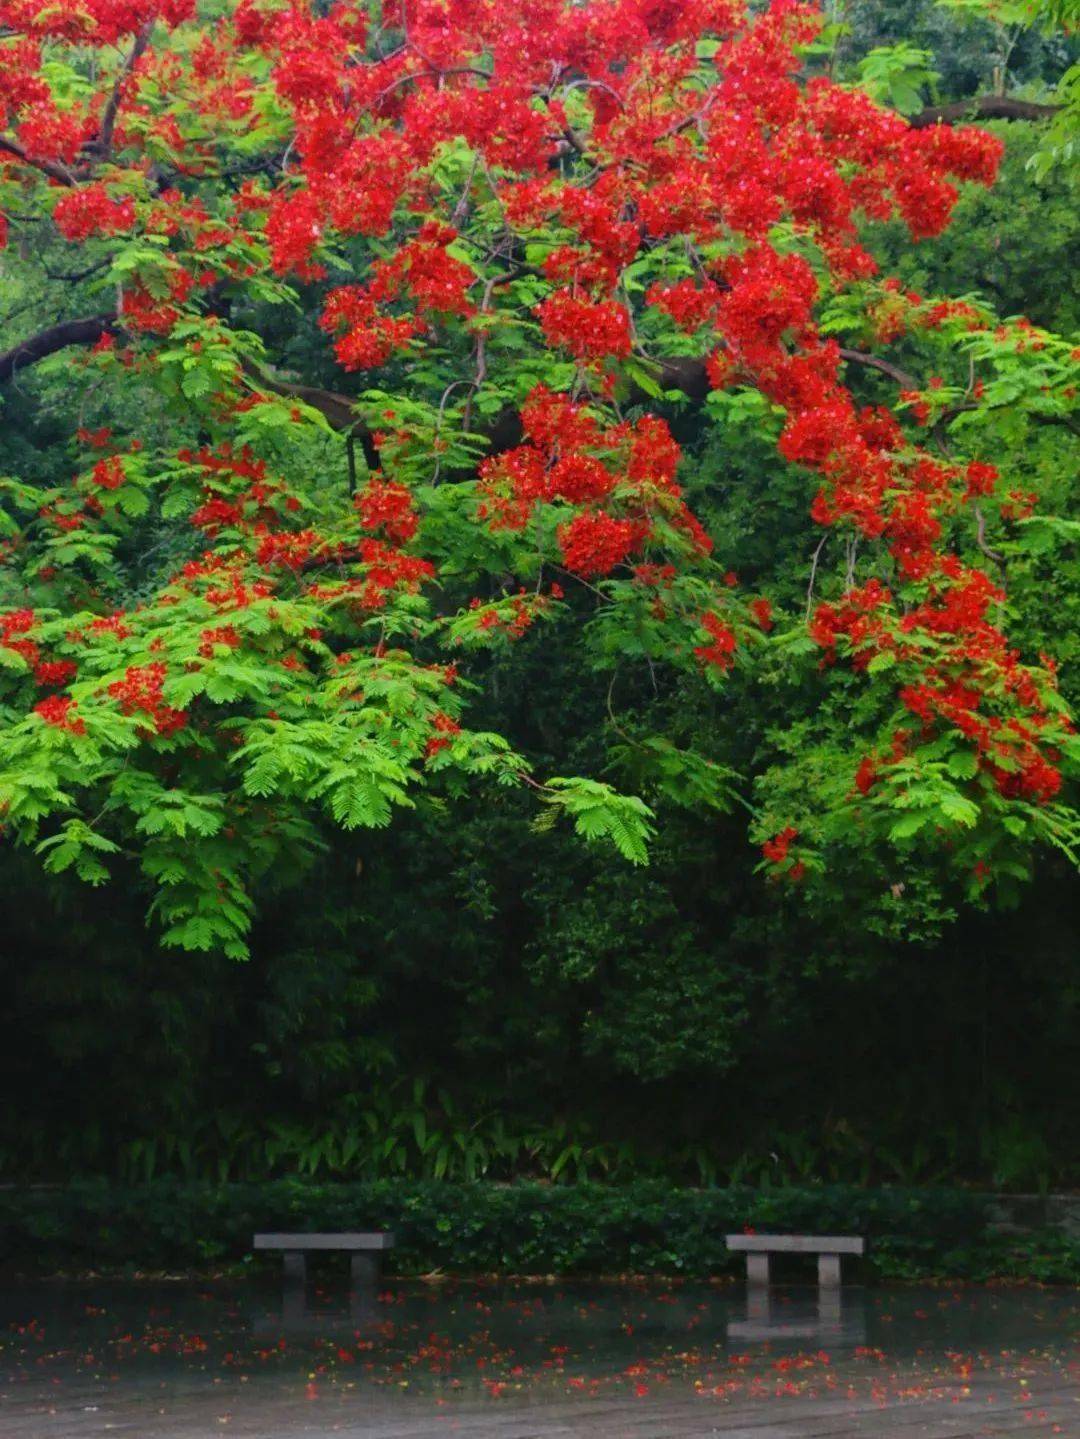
(222,635)
(445,728)
(55,672)
(59,711)
(589,329)
(722,644)
(762,612)
(108,474)
(776,849)
(389,505)
(140,691)
(866,775)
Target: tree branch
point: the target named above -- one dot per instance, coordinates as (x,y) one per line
(981,107)
(103,143)
(686,374)
(55,171)
(875,362)
(337,409)
(57,337)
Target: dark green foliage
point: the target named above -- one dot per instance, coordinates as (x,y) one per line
(971,53)
(642,1228)
(1014,244)
(453,1011)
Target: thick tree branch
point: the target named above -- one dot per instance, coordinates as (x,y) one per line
(686,374)
(503,432)
(909,382)
(337,409)
(57,172)
(875,362)
(57,337)
(981,107)
(104,141)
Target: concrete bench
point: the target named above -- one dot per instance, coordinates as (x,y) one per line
(366,1251)
(827,1247)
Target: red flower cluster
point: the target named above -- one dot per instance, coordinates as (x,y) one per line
(370,336)
(97,439)
(594,542)
(590,329)
(384,505)
(294,227)
(720,649)
(762,611)
(435,281)
(560,463)
(776,849)
(108,474)
(80,213)
(421,272)
(221,635)
(55,672)
(140,692)
(14,627)
(59,711)
(445,728)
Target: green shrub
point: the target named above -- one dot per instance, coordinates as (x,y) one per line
(642,1228)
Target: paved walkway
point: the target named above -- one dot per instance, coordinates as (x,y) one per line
(1031,1397)
(529,1365)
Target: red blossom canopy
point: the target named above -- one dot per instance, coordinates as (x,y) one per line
(527,222)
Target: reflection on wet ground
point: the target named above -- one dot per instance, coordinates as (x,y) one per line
(415,1360)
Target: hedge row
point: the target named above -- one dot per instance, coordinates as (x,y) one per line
(586,1229)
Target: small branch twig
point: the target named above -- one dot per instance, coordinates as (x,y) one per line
(813,575)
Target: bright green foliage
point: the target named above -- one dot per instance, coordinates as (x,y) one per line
(897,74)
(598,812)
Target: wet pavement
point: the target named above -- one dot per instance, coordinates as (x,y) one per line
(82,1360)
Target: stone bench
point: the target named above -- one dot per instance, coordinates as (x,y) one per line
(366,1251)
(832,1315)
(828,1247)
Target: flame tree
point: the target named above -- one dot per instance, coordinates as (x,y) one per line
(537,235)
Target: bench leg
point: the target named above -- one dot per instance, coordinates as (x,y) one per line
(365,1270)
(757,1269)
(759,1304)
(363,1309)
(828,1271)
(294,1268)
(293,1305)
(830,1311)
